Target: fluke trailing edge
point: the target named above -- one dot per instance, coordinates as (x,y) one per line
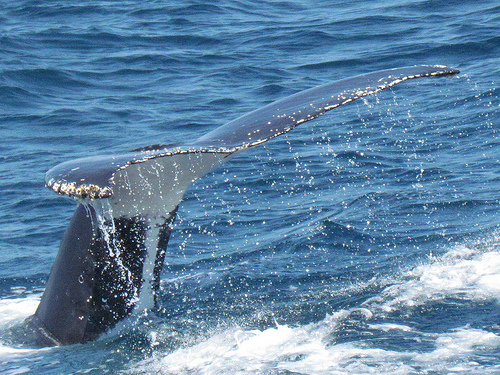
(112,253)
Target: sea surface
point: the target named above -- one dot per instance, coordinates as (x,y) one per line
(365,242)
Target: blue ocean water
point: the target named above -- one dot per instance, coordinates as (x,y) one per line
(364,242)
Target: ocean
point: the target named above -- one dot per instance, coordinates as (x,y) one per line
(364,242)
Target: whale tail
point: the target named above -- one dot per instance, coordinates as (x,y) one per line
(112,252)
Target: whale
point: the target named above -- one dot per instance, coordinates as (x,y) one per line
(109,262)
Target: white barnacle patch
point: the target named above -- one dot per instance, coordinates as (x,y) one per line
(82,191)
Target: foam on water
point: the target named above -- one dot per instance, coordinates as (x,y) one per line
(13,311)
(462,271)
(469,272)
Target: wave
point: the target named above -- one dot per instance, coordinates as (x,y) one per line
(385,334)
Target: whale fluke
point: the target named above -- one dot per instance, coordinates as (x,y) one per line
(112,252)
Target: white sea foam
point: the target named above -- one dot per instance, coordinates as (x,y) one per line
(305,350)
(386,327)
(12,312)
(15,310)
(470,272)
(463,272)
